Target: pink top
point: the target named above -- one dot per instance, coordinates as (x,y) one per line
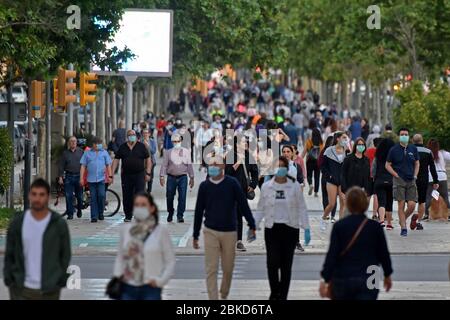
(301,163)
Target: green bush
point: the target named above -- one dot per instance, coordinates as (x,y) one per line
(6,159)
(5,216)
(425,113)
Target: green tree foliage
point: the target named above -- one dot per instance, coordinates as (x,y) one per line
(34,39)
(6,159)
(426,113)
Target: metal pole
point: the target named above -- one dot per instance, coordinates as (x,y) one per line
(129,106)
(48,139)
(69,125)
(27,175)
(11,135)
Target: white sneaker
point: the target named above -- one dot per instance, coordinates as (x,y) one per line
(323,225)
(333,220)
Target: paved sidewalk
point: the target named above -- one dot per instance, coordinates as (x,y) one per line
(101,238)
(94,289)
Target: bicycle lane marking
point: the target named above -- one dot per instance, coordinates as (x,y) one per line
(102,235)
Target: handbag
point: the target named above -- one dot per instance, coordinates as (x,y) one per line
(250,194)
(344,252)
(114,288)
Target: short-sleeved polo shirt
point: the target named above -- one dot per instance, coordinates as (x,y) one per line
(403,160)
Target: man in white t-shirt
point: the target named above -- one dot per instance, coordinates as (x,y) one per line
(37,250)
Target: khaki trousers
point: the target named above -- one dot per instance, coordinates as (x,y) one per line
(219,245)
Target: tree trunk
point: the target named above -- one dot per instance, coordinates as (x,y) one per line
(323,91)
(367,100)
(139,106)
(135,103)
(85,119)
(113,107)
(343,100)
(93,120)
(357,102)
(339,97)
(378,104)
(151,97)
(385,106)
(101,115)
(107,117)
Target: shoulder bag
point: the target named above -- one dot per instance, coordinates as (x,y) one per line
(250,194)
(344,252)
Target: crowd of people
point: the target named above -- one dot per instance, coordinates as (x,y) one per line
(245,136)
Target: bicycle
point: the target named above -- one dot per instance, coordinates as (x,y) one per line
(112,200)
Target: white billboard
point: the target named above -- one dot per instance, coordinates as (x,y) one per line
(148,34)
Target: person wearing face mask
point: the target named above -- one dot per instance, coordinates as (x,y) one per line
(333,159)
(150,144)
(217,200)
(168,131)
(177,166)
(283,212)
(136,170)
(145,260)
(245,170)
(356,168)
(96,161)
(403,164)
(217,124)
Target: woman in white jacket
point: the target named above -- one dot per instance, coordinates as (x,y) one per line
(145,259)
(283,208)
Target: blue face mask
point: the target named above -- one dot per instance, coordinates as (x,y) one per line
(282,172)
(132,138)
(99,147)
(404,139)
(213,171)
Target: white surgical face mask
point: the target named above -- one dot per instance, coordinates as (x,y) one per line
(140,213)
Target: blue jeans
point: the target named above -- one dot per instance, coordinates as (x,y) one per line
(144,292)
(71,185)
(353,289)
(174,184)
(98,191)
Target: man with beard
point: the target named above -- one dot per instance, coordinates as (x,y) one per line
(38,250)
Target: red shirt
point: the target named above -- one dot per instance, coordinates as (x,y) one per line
(160,125)
(370,153)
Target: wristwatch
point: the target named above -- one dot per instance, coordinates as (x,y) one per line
(149,174)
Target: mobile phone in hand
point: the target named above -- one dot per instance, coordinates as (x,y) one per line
(250,236)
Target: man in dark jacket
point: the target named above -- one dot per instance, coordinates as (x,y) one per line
(38,250)
(426,163)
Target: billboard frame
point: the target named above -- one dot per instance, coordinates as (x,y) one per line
(143,73)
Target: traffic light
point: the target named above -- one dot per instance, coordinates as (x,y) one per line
(64,87)
(86,88)
(37,98)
